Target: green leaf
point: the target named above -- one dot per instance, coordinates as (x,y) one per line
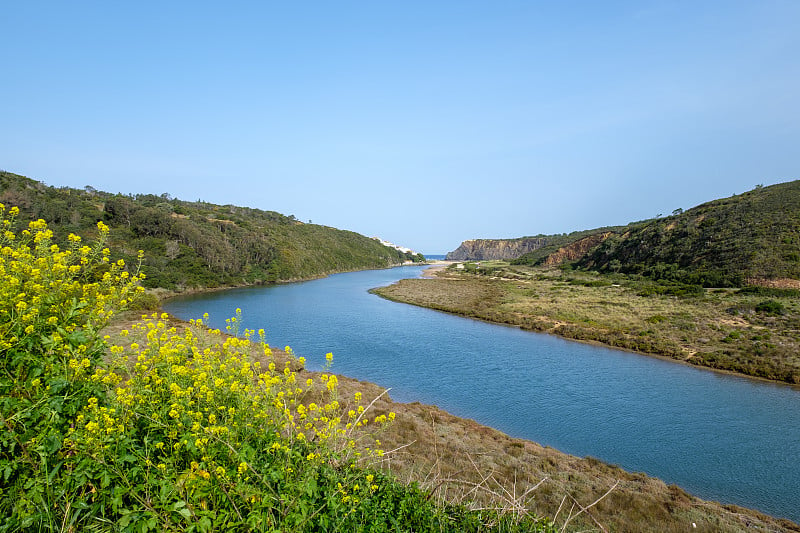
(53,472)
(178,505)
(204,524)
(311,487)
(52,444)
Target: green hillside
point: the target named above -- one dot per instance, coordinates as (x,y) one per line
(723,243)
(198,244)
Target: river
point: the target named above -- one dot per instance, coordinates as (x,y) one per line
(719,436)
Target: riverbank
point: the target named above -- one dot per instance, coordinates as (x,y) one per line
(461,459)
(721,329)
(436,268)
(163,294)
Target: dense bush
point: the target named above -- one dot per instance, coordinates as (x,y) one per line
(770,291)
(670,289)
(52,304)
(770,307)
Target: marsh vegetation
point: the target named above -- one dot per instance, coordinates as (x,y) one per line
(753,331)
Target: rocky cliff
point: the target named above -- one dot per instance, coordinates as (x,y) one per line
(489,249)
(577,249)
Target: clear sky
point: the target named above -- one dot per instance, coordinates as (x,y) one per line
(423,122)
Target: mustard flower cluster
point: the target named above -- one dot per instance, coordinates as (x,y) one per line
(201,403)
(53,292)
(52,303)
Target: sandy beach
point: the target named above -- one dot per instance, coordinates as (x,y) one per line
(436,266)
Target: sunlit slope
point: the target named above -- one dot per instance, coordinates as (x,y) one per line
(750,237)
(199,244)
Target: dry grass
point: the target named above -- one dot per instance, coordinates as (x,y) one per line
(459,460)
(719,329)
(462,460)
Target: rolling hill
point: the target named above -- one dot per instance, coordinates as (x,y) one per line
(199,244)
(749,238)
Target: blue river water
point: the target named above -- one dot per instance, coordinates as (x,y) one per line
(720,437)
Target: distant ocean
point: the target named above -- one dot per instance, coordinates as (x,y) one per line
(434,256)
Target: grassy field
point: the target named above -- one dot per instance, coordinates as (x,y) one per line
(753,331)
(462,461)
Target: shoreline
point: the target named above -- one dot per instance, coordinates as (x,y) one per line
(438,265)
(473,437)
(403,291)
(463,449)
(590,342)
(167,294)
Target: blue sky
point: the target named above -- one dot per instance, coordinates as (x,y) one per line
(425,123)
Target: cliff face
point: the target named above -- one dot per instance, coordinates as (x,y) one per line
(577,249)
(489,249)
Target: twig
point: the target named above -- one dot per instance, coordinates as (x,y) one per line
(66,513)
(386,456)
(484,478)
(400,447)
(560,505)
(586,509)
(235,508)
(365,411)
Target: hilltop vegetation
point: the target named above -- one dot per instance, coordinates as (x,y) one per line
(747,238)
(199,244)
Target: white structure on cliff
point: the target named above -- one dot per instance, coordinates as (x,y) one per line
(395,246)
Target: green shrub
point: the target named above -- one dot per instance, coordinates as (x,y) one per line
(145,301)
(52,303)
(770,307)
(770,291)
(671,289)
(732,337)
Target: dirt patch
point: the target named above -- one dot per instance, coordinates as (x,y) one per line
(781,283)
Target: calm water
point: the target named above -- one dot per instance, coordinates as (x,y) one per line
(720,437)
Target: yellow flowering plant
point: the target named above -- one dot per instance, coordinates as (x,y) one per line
(215,428)
(173,430)
(52,303)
